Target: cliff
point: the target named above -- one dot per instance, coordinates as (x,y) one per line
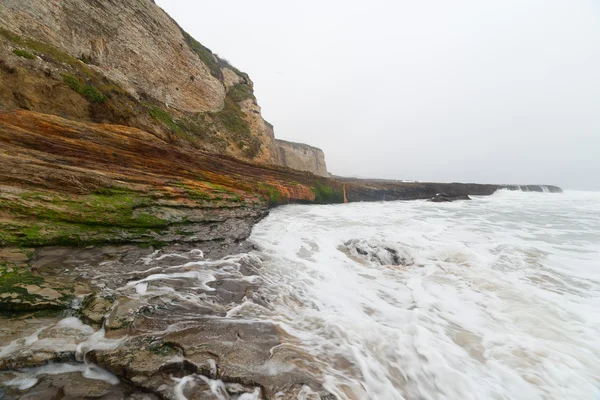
(68,182)
(127,63)
(300,156)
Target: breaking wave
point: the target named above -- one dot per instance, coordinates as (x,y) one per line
(498,297)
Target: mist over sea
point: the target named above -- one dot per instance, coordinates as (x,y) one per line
(494,298)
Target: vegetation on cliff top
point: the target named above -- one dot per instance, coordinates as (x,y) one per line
(205,55)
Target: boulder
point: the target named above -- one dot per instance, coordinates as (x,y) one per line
(446,198)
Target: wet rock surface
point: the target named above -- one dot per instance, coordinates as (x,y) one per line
(447,198)
(159,321)
(361,250)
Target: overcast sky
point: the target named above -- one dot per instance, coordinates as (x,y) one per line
(504,91)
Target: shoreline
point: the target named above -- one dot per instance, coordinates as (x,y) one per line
(92,212)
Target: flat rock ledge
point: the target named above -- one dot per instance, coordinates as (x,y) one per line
(146,323)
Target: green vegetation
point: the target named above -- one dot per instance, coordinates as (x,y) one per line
(45,51)
(49,219)
(11,275)
(195,130)
(14,280)
(32,233)
(215,193)
(88,91)
(108,100)
(231,118)
(24,54)
(211,60)
(84,59)
(161,115)
(194,194)
(240,92)
(326,194)
(211,131)
(205,55)
(115,209)
(272,193)
(218,188)
(223,63)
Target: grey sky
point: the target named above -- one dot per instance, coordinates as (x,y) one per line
(504,91)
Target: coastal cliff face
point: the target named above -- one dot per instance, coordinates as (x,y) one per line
(301,157)
(128,63)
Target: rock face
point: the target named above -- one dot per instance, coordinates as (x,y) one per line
(132,42)
(67,182)
(127,62)
(301,157)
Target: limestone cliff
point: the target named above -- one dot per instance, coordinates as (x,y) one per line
(127,62)
(300,156)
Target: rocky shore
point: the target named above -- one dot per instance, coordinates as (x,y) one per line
(134,163)
(124,258)
(95,308)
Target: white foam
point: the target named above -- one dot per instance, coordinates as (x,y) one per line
(217,387)
(97,341)
(202,278)
(75,324)
(28,378)
(20,343)
(141,288)
(498,297)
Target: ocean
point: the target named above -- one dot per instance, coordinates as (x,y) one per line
(494,298)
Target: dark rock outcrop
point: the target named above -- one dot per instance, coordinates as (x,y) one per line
(389,190)
(446,198)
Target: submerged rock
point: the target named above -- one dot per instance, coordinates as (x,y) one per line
(362,250)
(446,198)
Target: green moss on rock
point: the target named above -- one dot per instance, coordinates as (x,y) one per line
(24,54)
(21,290)
(326,194)
(273,195)
(40,219)
(231,118)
